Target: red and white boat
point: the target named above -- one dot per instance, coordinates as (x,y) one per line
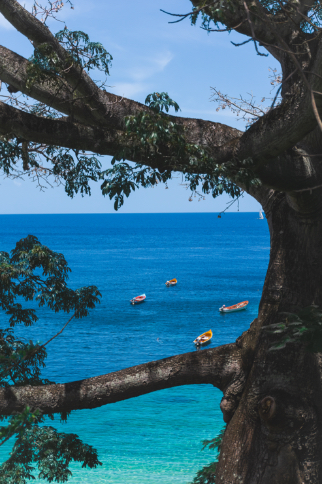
(236,307)
(138,299)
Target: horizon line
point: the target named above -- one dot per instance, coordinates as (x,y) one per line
(123,213)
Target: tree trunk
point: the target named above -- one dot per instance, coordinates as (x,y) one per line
(275,434)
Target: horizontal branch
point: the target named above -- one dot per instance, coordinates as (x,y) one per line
(269,137)
(65,133)
(56,94)
(288,172)
(105,108)
(17,123)
(217,366)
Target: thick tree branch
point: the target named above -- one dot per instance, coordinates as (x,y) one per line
(17,123)
(14,71)
(54,92)
(108,142)
(282,127)
(219,367)
(294,170)
(39,34)
(235,17)
(291,171)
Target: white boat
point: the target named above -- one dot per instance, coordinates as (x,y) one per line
(232,309)
(261,216)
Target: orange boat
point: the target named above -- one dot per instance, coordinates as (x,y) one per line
(204,338)
(234,308)
(172,282)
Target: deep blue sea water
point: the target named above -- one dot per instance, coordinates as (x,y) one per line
(155,438)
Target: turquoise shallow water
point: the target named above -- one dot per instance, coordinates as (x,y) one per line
(155,438)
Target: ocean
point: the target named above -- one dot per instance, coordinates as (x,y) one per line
(155,438)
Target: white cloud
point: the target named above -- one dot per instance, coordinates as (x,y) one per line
(150,66)
(129,89)
(18,184)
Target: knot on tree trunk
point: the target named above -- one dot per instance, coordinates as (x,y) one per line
(267,408)
(232,396)
(284,412)
(228,406)
(286,417)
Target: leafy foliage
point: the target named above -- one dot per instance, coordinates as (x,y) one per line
(161,101)
(89,55)
(19,278)
(18,423)
(304,327)
(33,272)
(156,138)
(207,474)
(122,179)
(20,361)
(72,168)
(217,13)
(50,451)
(9,155)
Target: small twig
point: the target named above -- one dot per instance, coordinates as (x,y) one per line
(183,16)
(57,334)
(249,21)
(280,87)
(228,29)
(42,346)
(308,189)
(232,202)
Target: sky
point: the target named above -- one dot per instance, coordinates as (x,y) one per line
(149,55)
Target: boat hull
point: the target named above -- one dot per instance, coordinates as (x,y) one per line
(231,310)
(236,307)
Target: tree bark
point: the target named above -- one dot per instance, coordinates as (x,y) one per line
(225,367)
(274,435)
(272,399)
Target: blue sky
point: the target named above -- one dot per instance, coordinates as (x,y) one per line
(149,54)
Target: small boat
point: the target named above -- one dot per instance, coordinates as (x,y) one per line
(234,308)
(261,216)
(204,338)
(138,299)
(172,282)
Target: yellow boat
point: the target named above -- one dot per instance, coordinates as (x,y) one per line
(204,338)
(172,282)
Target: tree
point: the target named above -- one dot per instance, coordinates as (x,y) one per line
(271,376)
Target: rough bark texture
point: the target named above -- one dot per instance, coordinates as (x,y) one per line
(275,434)
(272,399)
(221,367)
